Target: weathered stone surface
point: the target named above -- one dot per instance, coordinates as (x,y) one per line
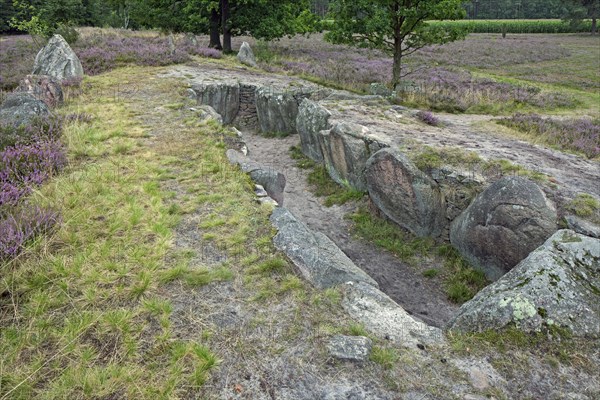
(224,97)
(582,226)
(351,348)
(557,284)
(206,113)
(405,194)
(272,180)
(19,108)
(190,40)
(277,110)
(505,223)
(246,56)
(346,149)
(42,87)
(312,119)
(318,258)
(385,318)
(58,60)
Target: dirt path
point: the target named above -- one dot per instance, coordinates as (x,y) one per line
(403,283)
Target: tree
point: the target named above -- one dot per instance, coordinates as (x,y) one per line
(585,9)
(398,27)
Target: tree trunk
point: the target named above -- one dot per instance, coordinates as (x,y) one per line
(397,68)
(215,38)
(594,26)
(225,25)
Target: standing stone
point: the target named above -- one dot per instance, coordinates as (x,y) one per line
(558,284)
(171,44)
(346,149)
(58,60)
(42,87)
(312,119)
(20,108)
(405,194)
(276,110)
(190,40)
(505,223)
(246,56)
(224,97)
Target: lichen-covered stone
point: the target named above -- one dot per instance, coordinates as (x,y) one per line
(312,118)
(350,348)
(272,180)
(317,257)
(383,317)
(405,194)
(505,223)
(58,60)
(346,149)
(43,87)
(246,56)
(223,97)
(277,110)
(20,108)
(558,284)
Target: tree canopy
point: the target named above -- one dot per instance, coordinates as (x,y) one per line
(396,26)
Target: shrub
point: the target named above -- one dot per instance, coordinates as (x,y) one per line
(581,135)
(21,226)
(428,118)
(46,128)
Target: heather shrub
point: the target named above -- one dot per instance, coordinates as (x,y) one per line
(21,226)
(581,135)
(43,128)
(25,166)
(428,118)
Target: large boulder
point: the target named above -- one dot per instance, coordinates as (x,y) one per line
(58,60)
(346,149)
(558,284)
(277,110)
(312,119)
(383,317)
(405,194)
(246,56)
(270,179)
(317,257)
(223,97)
(42,87)
(505,223)
(20,108)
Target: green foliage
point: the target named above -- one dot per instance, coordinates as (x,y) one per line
(584,205)
(516,26)
(398,26)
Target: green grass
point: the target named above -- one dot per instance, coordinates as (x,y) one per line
(461,282)
(585,206)
(321,183)
(515,26)
(386,357)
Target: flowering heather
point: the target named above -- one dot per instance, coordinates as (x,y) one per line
(46,128)
(21,226)
(22,167)
(581,135)
(98,53)
(428,118)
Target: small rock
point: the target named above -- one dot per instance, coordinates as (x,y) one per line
(206,113)
(246,56)
(272,180)
(582,226)
(269,201)
(260,191)
(351,348)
